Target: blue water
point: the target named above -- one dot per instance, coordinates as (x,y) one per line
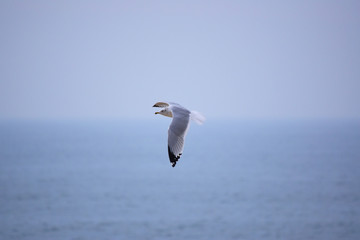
(237,180)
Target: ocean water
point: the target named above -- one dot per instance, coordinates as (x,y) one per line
(235,180)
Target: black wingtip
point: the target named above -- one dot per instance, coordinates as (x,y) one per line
(172,157)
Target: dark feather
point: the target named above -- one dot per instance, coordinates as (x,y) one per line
(172,157)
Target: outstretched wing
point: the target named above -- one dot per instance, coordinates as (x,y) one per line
(161,104)
(177,132)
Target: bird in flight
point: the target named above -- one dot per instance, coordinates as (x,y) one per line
(178,127)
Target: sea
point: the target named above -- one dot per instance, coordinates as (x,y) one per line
(275,179)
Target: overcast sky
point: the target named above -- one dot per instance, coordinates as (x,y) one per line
(239,59)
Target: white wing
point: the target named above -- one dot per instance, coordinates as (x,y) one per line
(177,132)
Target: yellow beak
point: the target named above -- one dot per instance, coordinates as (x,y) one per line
(156,112)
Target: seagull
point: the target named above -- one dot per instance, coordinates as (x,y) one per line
(178,127)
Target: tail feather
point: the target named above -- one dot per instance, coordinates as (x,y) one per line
(197,117)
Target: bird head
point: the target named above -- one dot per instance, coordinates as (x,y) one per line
(166,112)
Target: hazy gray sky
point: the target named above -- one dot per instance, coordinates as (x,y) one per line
(244,59)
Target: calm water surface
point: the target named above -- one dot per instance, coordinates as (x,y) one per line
(238,180)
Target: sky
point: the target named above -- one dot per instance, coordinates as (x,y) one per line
(226,59)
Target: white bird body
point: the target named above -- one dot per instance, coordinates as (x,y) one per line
(178,127)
